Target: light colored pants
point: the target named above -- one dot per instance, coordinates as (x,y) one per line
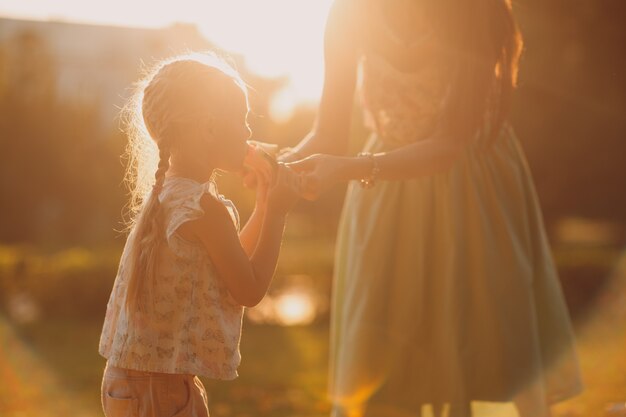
(130,393)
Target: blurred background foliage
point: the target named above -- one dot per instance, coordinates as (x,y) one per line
(63,197)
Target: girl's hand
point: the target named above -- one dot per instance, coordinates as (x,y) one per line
(260,181)
(259,163)
(283,194)
(262,185)
(318,172)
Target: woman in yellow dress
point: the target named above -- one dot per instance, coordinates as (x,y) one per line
(445,294)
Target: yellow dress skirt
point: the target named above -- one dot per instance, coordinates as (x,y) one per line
(445,291)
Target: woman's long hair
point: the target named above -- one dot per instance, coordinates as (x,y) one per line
(484,43)
(172,97)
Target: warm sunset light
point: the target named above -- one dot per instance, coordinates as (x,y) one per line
(291,307)
(276,37)
(295,308)
(295,302)
(189,226)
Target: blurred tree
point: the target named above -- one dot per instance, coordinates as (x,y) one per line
(60,169)
(51,161)
(570,106)
(60,172)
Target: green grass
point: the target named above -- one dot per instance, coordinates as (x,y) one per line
(602,351)
(51,367)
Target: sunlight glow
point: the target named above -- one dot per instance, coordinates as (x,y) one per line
(295,302)
(288,308)
(29,384)
(275,37)
(295,308)
(283,104)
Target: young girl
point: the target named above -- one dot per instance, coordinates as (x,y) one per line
(185,274)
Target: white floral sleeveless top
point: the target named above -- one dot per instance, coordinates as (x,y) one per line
(195,325)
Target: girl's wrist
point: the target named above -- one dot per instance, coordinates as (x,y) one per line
(260,207)
(275,214)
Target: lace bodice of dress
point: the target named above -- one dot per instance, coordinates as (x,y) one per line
(401,106)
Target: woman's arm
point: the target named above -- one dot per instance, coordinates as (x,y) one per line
(423,158)
(331,130)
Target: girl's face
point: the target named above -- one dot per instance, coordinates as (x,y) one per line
(229,133)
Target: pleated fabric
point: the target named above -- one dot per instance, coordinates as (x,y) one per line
(445,292)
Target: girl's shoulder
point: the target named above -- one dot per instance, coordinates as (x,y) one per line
(185,191)
(177,188)
(186,200)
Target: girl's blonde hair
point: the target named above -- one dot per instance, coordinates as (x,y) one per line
(172,97)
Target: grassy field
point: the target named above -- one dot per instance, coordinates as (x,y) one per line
(52,369)
(50,366)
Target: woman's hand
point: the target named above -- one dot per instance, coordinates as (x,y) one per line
(288,155)
(318,172)
(283,194)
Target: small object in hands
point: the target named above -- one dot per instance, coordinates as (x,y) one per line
(370,180)
(261,157)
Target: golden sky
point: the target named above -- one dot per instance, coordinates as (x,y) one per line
(276,37)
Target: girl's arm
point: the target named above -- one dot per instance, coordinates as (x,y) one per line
(331,130)
(247,278)
(251,232)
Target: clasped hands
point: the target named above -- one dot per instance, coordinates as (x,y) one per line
(308,178)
